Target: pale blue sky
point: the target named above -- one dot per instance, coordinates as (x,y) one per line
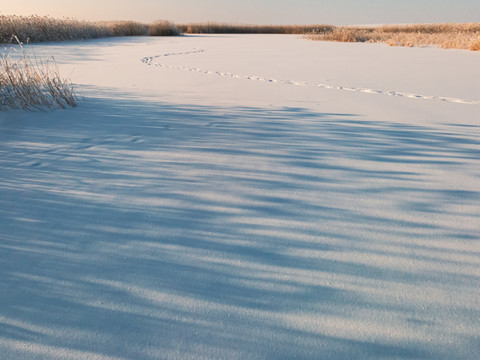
(255,11)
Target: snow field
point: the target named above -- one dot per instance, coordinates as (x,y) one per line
(179,215)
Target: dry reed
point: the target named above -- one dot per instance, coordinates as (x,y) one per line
(163,28)
(29,83)
(124,28)
(447,36)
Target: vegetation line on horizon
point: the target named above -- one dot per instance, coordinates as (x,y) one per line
(43,28)
(35,29)
(446,35)
(226,28)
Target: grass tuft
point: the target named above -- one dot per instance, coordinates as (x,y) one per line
(163,28)
(475,44)
(125,28)
(28,83)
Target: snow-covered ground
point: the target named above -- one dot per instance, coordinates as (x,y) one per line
(244,197)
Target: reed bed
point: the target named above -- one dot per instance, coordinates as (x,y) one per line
(36,29)
(42,28)
(225,28)
(28,83)
(447,36)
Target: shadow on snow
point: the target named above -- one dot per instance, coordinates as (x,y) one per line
(147,230)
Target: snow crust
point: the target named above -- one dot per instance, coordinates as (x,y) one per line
(244,197)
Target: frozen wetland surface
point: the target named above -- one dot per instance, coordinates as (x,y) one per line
(244,197)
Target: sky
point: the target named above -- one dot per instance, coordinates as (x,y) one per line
(337,12)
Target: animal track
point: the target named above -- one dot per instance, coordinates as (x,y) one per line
(151,61)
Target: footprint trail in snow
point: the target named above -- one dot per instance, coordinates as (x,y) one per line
(152,61)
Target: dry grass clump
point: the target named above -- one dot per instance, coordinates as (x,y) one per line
(221,28)
(345,34)
(125,28)
(447,36)
(475,45)
(27,83)
(163,28)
